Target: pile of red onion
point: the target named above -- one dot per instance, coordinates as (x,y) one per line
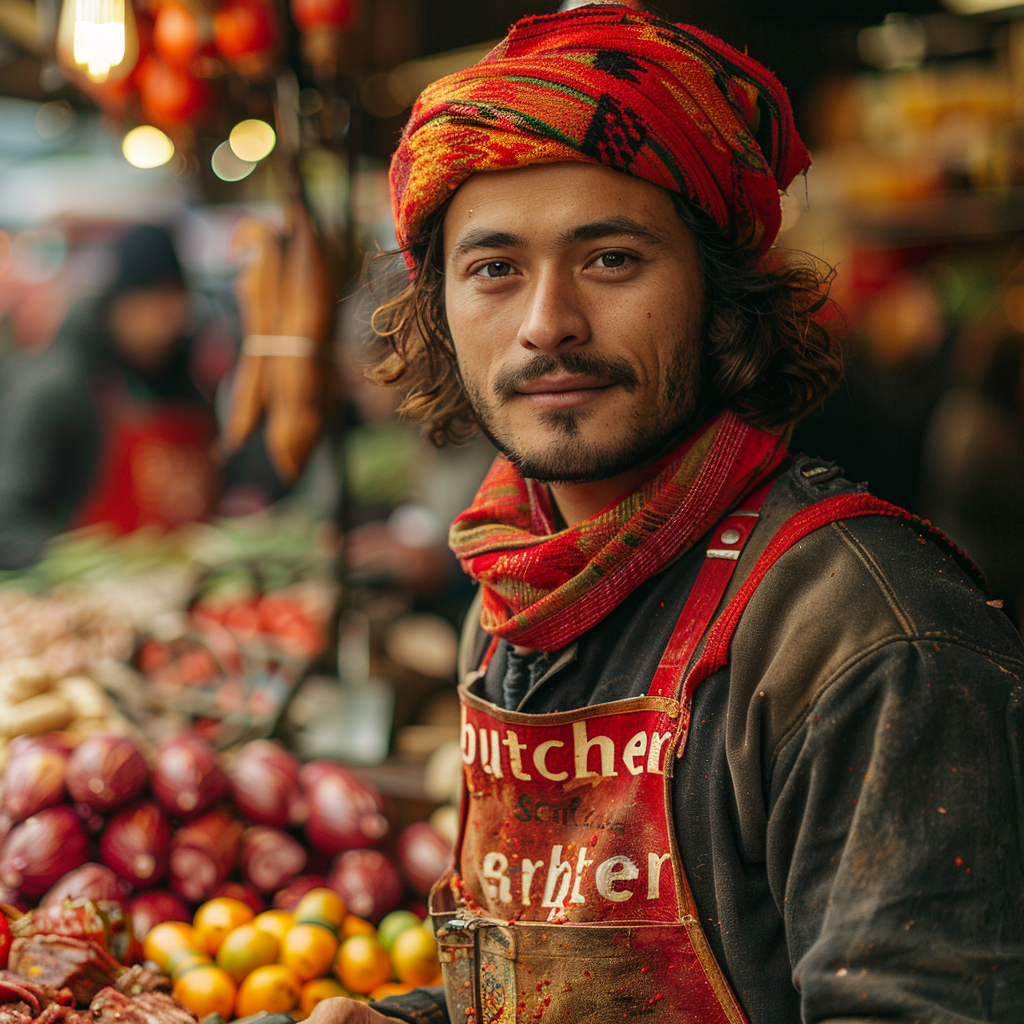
(96,822)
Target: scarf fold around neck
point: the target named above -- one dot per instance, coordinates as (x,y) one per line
(543,588)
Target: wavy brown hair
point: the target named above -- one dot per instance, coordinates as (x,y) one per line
(768,354)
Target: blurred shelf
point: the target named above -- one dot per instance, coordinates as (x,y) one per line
(949,217)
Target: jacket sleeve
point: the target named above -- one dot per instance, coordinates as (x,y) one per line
(421,1006)
(895,839)
(49,441)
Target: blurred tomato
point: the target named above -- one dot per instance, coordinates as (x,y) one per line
(176,34)
(170,95)
(243,27)
(309,14)
(5,941)
(152,656)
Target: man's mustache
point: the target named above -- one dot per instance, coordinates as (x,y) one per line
(610,368)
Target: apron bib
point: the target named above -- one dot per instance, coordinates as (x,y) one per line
(568,900)
(155,467)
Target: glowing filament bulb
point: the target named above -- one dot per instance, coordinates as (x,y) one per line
(99,35)
(98,39)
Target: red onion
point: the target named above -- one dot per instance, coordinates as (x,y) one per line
(270,858)
(296,889)
(42,849)
(423,855)
(106,771)
(34,780)
(153,907)
(14,899)
(44,740)
(136,843)
(344,811)
(242,893)
(264,785)
(203,854)
(91,882)
(187,779)
(368,882)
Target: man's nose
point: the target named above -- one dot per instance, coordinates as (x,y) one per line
(554,316)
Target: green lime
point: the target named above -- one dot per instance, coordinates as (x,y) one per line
(394,924)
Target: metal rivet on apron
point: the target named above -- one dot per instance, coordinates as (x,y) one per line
(730,536)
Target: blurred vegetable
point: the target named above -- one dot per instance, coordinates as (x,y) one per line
(136,843)
(42,849)
(91,882)
(5,941)
(243,27)
(187,778)
(203,854)
(176,34)
(153,907)
(265,787)
(106,771)
(243,893)
(34,780)
(169,95)
(368,882)
(423,855)
(290,895)
(344,811)
(309,14)
(270,858)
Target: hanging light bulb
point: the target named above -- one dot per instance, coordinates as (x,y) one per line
(98,39)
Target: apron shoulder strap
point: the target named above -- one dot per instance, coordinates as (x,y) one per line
(843,506)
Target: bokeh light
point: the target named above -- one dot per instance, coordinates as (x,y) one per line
(229,167)
(147,147)
(252,140)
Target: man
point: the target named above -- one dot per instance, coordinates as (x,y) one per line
(740,741)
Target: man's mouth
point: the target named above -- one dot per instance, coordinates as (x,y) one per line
(562,391)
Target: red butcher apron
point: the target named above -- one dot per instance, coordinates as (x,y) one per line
(155,467)
(568,900)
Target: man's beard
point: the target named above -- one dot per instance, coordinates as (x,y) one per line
(567,459)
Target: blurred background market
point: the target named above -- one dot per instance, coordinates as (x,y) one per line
(228,616)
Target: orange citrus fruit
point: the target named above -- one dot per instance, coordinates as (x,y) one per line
(352,925)
(245,949)
(206,989)
(183,960)
(390,988)
(362,964)
(320,906)
(169,938)
(414,956)
(309,950)
(277,922)
(316,991)
(215,918)
(274,988)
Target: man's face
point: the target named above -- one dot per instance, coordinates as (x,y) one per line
(574,298)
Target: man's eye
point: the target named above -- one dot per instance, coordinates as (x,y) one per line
(611,260)
(496,268)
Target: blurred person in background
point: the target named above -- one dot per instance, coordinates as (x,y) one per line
(106,425)
(897,369)
(973,484)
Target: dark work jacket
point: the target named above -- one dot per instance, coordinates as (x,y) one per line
(850,806)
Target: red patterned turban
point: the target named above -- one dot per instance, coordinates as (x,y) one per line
(609,85)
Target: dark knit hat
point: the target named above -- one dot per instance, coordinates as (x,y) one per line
(145,258)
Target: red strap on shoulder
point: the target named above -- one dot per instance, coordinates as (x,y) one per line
(807,520)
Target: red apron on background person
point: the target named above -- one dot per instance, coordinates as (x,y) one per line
(155,466)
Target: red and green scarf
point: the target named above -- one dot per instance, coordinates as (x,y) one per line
(543,588)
